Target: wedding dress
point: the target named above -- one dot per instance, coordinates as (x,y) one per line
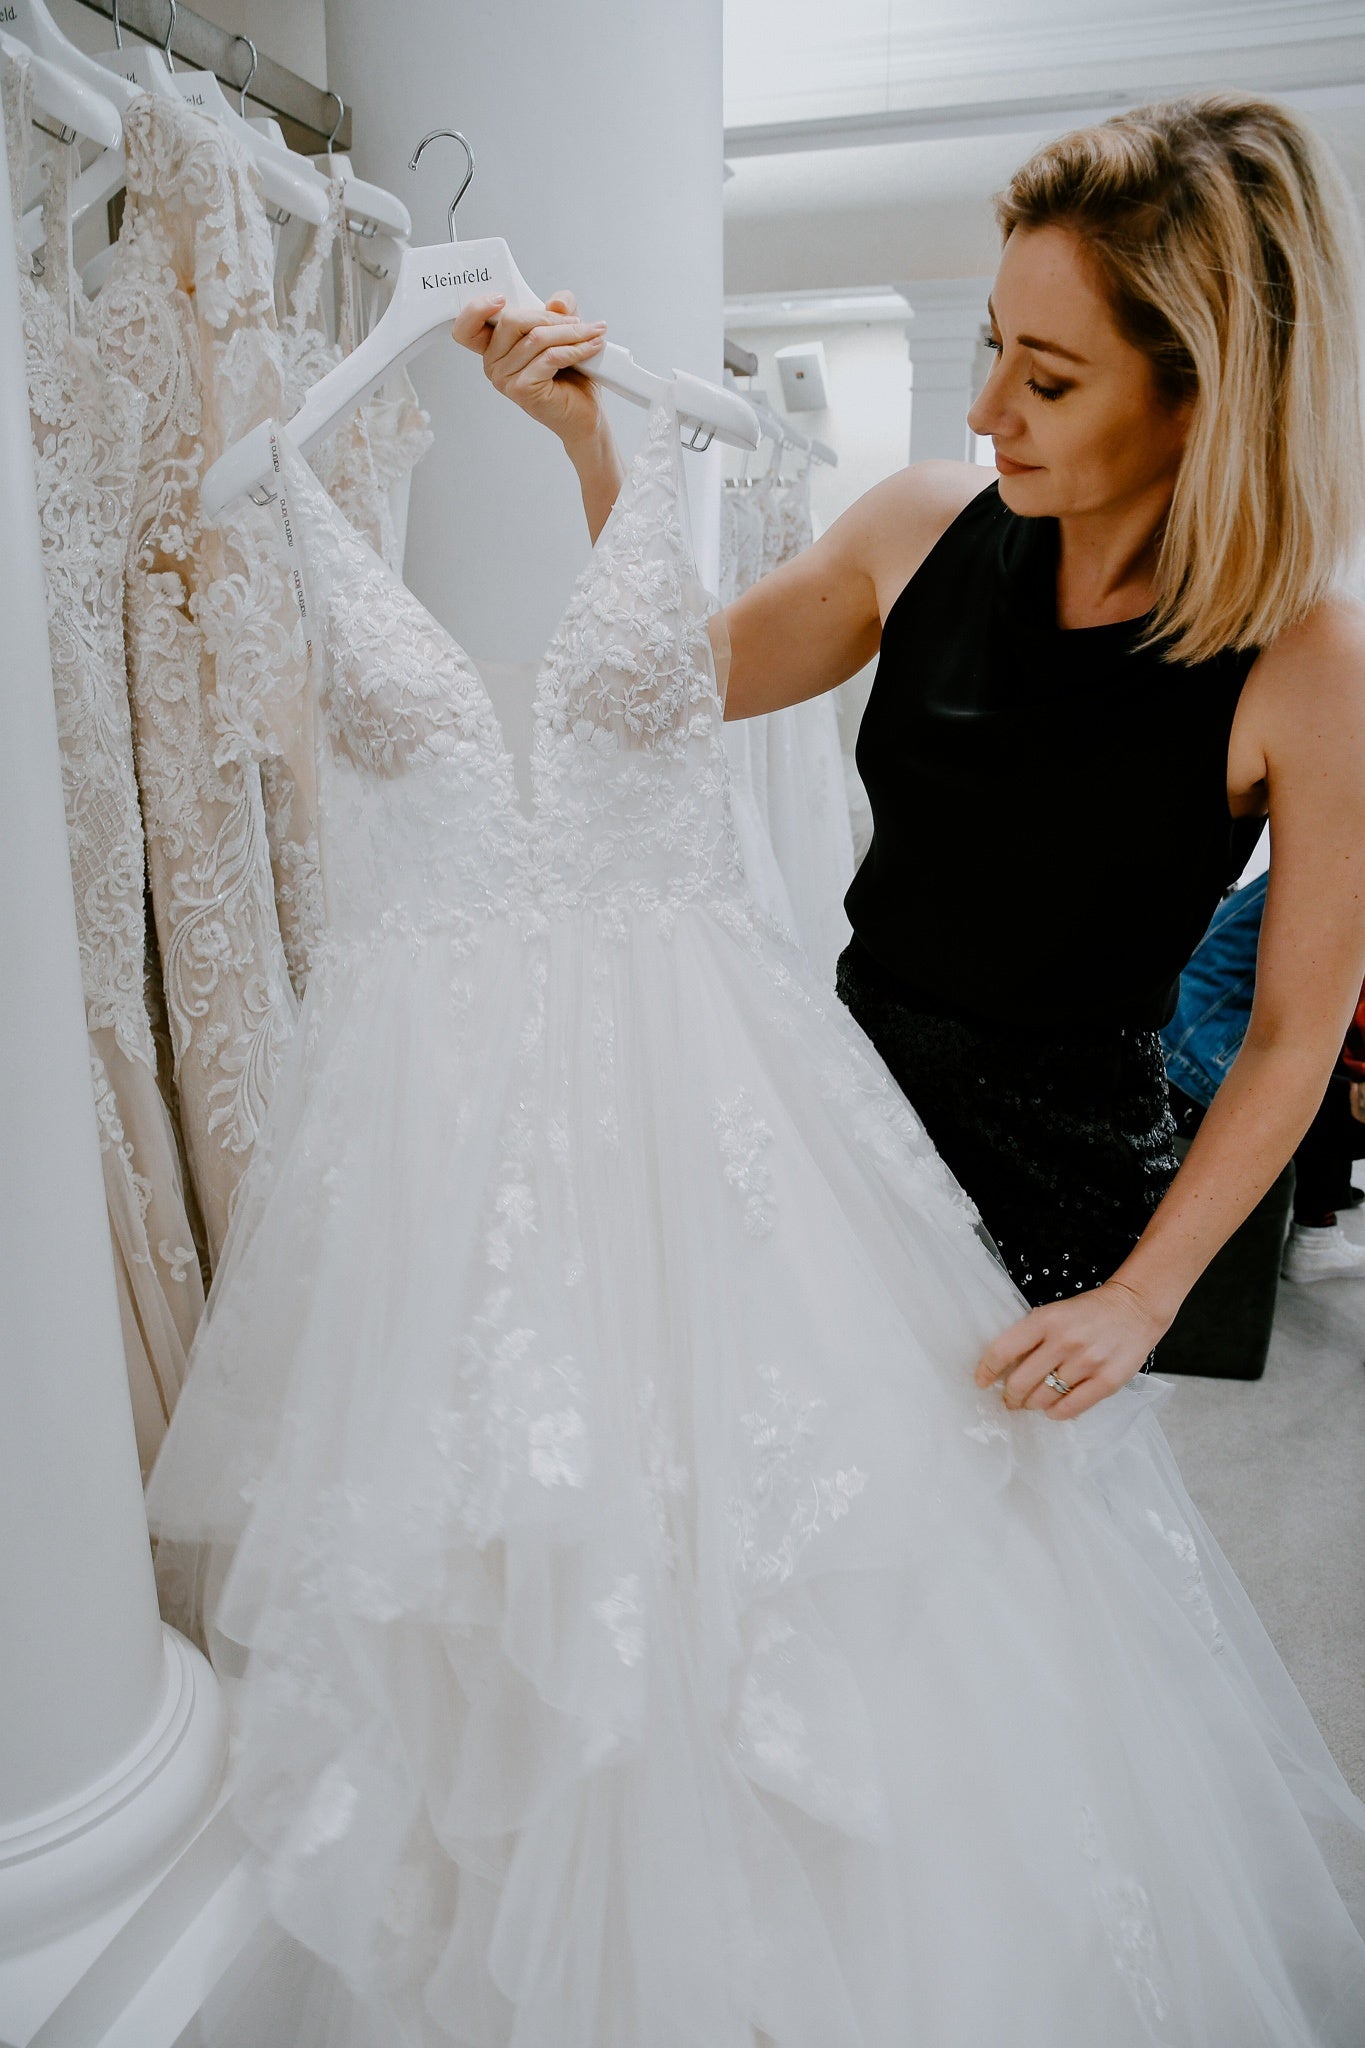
(787,768)
(358,465)
(647,1634)
(186,316)
(87,432)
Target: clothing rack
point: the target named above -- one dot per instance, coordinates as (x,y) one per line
(791,437)
(742,361)
(307,113)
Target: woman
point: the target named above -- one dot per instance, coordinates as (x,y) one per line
(1097,676)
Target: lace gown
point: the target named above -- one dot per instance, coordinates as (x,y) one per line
(358,464)
(186,316)
(653,1639)
(87,431)
(788,783)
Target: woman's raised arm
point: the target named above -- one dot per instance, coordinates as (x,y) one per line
(800,630)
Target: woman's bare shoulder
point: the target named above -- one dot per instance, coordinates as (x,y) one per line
(894,526)
(1303,704)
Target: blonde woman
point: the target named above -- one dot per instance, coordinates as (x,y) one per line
(1099,674)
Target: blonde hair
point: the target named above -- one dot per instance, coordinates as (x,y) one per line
(1229,247)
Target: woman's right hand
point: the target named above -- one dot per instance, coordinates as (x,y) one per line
(532,358)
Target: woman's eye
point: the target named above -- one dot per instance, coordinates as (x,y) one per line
(992,344)
(1046,390)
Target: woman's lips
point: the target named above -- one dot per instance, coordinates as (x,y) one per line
(1008,468)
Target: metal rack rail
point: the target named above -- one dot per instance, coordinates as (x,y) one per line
(306,113)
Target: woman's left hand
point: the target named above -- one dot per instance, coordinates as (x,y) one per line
(1095,1343)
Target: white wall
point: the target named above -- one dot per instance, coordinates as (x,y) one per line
(597,131)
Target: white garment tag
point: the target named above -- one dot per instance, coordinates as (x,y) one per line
(278,505)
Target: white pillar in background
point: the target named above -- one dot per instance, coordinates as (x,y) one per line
(943,341)
(597,132)
(111,1728)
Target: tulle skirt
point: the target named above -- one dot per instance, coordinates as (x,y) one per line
(645,1635)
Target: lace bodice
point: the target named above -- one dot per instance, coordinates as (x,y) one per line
(420,825)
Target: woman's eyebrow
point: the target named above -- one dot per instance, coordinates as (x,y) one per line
(1042,348)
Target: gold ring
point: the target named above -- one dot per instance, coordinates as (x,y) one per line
(1053,1380)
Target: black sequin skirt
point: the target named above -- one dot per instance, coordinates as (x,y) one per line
(1065,1144)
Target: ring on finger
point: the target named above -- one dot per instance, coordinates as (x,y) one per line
(1055,1380)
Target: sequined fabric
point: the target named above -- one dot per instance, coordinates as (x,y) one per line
(1066,1145)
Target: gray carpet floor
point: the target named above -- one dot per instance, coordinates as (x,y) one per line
(1277,1466)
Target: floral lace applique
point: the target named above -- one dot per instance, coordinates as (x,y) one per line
(744,1139)
(621,1613)
(1194,1590)
(786,1502)
(1125,1911)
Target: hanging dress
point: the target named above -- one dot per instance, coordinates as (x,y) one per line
(741,536)
(87,430)
(653,1638)
(806,795)
(186,316)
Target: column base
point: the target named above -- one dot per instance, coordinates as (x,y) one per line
(74,1861)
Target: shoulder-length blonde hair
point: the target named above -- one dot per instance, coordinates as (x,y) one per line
(1229,247)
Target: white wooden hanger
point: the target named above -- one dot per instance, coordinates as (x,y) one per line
(67,100)
(34,27)
(434,283)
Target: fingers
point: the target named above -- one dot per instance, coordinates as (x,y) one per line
(471,328)
(562,302)
(520,343)
(1012,1345)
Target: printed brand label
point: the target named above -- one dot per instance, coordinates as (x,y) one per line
(9,14)
(279,505)
(433,280)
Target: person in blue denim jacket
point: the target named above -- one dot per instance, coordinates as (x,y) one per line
(1201,1042)
(1205,1035)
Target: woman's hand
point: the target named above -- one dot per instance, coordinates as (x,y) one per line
(1095,1343)
(532,359)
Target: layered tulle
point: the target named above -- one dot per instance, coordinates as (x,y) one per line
(653,1639)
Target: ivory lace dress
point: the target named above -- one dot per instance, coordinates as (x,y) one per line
(87,433)
(186,315)
(648,1635)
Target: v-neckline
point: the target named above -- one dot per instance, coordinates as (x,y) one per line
(601,552)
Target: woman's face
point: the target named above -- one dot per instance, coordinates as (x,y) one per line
(1072,407)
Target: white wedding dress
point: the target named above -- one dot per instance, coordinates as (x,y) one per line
(653,1639)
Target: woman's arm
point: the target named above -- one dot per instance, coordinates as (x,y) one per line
(807,626)
(1305,701)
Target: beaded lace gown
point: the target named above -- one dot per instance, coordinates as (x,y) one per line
(648,1636)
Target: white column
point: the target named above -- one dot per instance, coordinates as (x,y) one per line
(597,130)
(943,341)
(111,1728)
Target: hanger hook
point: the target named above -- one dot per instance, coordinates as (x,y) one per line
(118,25)
(170,31)
(255,61)
(341,116)
(453,135)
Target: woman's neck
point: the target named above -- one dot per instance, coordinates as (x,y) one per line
(1107,561)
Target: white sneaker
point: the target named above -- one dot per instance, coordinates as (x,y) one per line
(1316,1251)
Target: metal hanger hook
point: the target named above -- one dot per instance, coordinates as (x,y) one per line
(118,26)
(451,135)
(255,61)
(170,31)
(341,116)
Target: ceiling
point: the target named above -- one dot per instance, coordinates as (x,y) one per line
(866,137)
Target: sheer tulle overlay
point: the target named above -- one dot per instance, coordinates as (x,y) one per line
(648,1636)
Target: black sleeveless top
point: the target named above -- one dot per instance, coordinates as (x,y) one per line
(1051,825)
